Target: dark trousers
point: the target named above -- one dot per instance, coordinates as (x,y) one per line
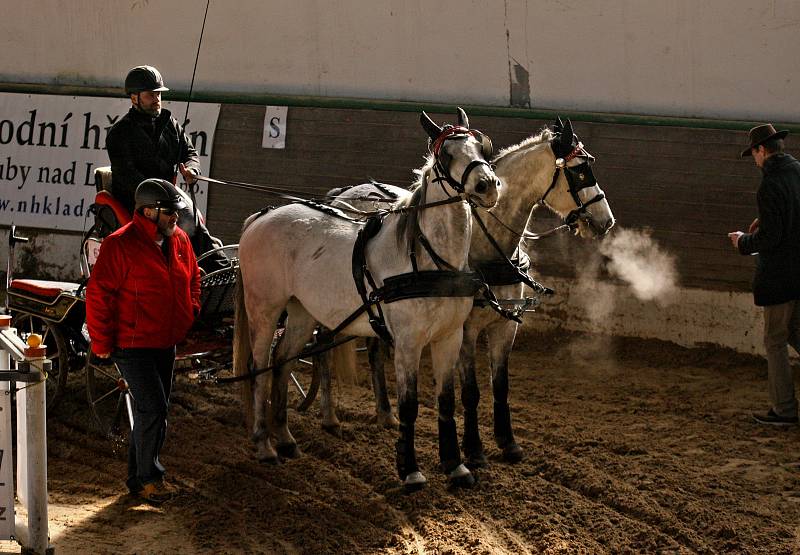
(781,329)
(149,376)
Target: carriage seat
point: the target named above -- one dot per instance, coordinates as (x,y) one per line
(104,198)
(42,289)
(109,212)
(102,179)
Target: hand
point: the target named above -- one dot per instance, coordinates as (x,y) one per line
(103,355)
(753,226)
(188,176)
(734,237)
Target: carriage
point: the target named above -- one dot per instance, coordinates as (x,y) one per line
(56,310)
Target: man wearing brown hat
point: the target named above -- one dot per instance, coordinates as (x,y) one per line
(775,237)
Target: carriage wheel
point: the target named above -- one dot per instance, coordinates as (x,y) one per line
(305,378)
(57,352)
(303,385)
(108,397)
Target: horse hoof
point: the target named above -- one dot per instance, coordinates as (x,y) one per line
(289,451)
(387,421)
(333,429)
(513,453)
(414,482)
(478,460)
(461,477)
(270,461)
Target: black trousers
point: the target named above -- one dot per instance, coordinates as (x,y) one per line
(149,376)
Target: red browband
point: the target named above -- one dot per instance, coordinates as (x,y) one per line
(455,130)
(575,152)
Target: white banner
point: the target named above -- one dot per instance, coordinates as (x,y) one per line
(50,146)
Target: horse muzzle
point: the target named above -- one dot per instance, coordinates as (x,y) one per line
(588,227)
(485,192)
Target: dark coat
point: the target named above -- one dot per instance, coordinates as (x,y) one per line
(777,239)
(140,148)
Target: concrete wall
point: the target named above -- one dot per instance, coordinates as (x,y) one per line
(691,317)
(715,59)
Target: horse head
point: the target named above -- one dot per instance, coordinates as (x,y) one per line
(574,193)
(461,157)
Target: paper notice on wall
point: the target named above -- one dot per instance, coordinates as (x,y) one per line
(275,127)
(50,146)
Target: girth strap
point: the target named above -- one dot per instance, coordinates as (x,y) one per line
(360,273)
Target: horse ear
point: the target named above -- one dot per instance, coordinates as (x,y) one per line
(566,135)
(558,125)
(430,128)
(568,128)
(463,120)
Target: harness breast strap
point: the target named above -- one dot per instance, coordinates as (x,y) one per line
(429,283)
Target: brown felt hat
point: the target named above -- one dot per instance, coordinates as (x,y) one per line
(760,134)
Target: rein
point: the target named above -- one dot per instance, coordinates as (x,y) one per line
(310,351)
(315,201)
(520,274)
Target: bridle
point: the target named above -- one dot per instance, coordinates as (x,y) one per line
(441,167)
(442,175)
(578,178)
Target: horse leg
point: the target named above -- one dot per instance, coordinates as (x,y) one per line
(444,354)
(299,329)
(470,396)
(330,422)
(406,364)
(378,352)
(262,331)
(501,340)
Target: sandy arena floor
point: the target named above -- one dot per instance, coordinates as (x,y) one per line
(632,447)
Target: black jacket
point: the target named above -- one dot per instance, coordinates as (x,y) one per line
(140,147)
(777,239)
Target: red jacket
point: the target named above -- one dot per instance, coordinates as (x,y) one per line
(136,298)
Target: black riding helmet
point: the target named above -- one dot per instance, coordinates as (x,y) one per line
(158,193)
(144,78)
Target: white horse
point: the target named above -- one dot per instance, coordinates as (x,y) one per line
(550,168)
(299,258)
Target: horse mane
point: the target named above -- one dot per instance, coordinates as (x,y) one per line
(407,219)
(545,135)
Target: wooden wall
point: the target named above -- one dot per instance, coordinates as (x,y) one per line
(688,187)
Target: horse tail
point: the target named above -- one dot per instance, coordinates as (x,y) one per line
(242,350)
(343,362)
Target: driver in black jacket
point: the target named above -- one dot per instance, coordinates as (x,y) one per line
(148,142)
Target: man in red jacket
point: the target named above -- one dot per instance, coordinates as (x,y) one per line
(141,300)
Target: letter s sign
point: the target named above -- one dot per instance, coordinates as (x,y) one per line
(275,127)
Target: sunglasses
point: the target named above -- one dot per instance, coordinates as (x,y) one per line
(165,211)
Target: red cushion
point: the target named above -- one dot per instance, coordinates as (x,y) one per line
(105,198)
(42,288)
